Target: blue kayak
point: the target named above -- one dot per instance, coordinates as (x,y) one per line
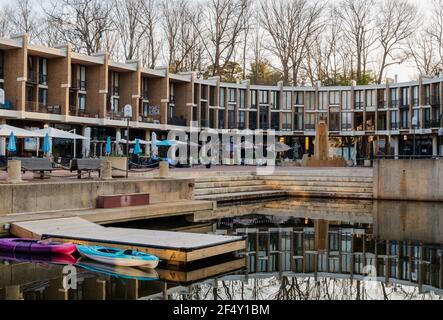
(118,257)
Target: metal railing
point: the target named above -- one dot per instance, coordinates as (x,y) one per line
(177,121)
(7,105)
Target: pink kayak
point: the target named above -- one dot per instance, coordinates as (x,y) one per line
(60,259)
(36,246)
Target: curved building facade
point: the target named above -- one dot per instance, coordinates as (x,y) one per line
(58,87)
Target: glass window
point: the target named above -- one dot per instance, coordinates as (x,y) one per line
(371,98)
(310,122)
(264,97)
(275,120)
(221,118)
(287,100)
(310,100)
(241,98)
(346,100)
(394,120)
(415,95)
(172,93)
(334,98)
(81,77)
(204,93)
(43,67)
(299,98)
(298,119)
(287,121)
(2,64)
(346,121)
(405,97)
(323,100)
(232,94)
(43,96)
(394,97)
(275,98)
(359,99)
(253,120)
(212,96)
(253,99)
(211,118)
(196,89)
(81,102)
(115,84)
(241,120)
(145,88)
(222,97)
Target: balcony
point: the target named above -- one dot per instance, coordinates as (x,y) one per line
(382,104)
(30,106)
(7,105)
(395,126)
(145,119)
(427,124)
(114,115)
(435,124)
(52,109)
(309,127)
(179,121)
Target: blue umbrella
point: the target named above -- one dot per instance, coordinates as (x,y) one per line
(137,149)
(166,143)
(46,144)
(108,146)
(11,144)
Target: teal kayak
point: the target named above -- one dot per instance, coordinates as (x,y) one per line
(118,257)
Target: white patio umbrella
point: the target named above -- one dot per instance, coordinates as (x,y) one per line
(60,134)
(5,131)
(142,142)
(279,147)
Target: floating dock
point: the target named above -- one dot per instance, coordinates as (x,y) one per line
(172,247)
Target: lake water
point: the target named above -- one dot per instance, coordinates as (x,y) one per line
(296,250)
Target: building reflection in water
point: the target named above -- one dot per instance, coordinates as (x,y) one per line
(288,256)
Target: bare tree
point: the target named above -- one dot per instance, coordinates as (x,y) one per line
(359,31)
(292,26)
(435,29)
(5,26)
(24,19)
(83,23)
(396,21)
(150,46)
(221,31)
(425,54)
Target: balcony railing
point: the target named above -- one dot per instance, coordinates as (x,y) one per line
(178,121)
(30,106)
(7,105)
(32,77)
(395,126)
(427,124)
(309,127)
(171,99)
(358,105)
(394,104)
(381,104)
(415,102)
(381,126)
(114,115)
(435,124)
(45,108)
(145,119)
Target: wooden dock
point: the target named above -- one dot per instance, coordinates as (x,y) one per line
(172,247)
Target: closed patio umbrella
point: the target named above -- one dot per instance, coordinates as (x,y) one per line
(108,146)
(46,145)
(5,131)
(11,144)
(137,149)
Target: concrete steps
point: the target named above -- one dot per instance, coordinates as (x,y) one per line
(242,196)
(230,183)
(225,190)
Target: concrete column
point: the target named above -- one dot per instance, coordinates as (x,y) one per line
(14,171)
(164,169)
(118,137)
(395,143)
(148,147)
(86,144)
(434,146)
(106,170)
(2,146)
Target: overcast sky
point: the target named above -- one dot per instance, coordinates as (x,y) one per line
(405,71)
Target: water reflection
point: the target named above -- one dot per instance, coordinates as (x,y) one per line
(295,250)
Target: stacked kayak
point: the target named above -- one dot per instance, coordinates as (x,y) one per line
(36,246)
(60,259)
(117,257)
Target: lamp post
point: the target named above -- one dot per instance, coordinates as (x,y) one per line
(128,116)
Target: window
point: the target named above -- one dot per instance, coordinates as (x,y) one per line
(204,92)
(310,101)
(404,119)
(231,117)
(346,121)
(115,81)
(287,121)
(115,107)
(196,87)
(371,98)
(43,67)
(31,69)
(2,64)
(310,122)
(145,89)
(275,98)
(427,95)
(82,102)
(195,115)
(275,120)
(299,98)
(232,94)
(287,100)
(203,106)
(346,100)
(222,97)
(172,93)
(359,99)
(323,100)
(405,97)
(394,98)
(264,97)
(241,99)
(417,117)
(334,120)
(212,96)
(415,99)
(81,78)
(221,118)
(298,119)
(211,118)
(253,99)
(253,120)
(43,96)
(436,94)
(427,117)
(394,120)
(241,120)
(334,98)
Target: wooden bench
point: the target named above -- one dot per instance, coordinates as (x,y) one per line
(88,165)
(40,165)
